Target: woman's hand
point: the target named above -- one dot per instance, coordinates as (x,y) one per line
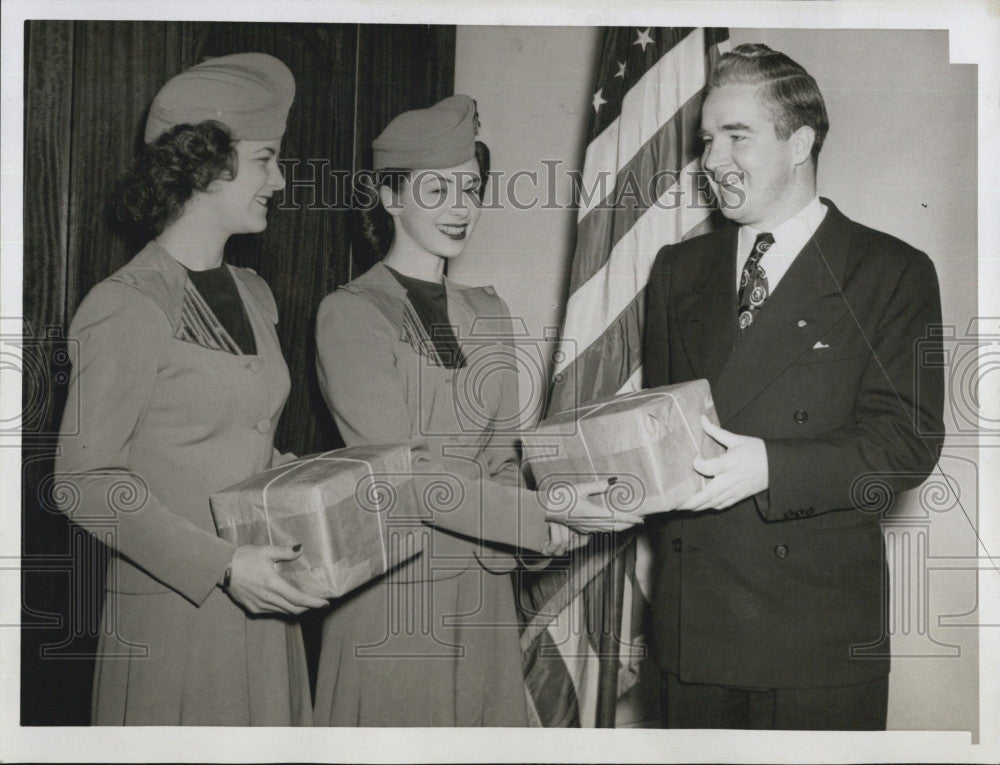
(562,539)
(257,587)
(581,508)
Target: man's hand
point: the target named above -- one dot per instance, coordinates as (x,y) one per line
(739,473)
(257,586)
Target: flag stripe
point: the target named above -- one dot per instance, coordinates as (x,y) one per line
(600,354)
(606,359)
(606,294)
(574,651)
(633,383)
(642,182)
(624,46)
(568,584)
(555,702)
(680,72)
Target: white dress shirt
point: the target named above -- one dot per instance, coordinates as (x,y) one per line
(789,239)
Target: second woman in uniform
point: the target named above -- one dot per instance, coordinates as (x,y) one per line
(407,355)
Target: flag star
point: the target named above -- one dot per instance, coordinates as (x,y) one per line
(621,70)
(598,100)
(643,39)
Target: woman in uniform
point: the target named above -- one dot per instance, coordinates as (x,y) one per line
(177,384)
(407,355)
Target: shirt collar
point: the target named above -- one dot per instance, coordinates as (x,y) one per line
(791,236)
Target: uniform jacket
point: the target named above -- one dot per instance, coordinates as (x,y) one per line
(778,590)
(460,423)
(153,425)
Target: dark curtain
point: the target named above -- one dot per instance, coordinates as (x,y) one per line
(88,86)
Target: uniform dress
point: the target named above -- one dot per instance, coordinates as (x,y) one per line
(434,642)
(163,411)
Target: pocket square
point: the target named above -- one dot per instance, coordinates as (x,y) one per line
(820,345)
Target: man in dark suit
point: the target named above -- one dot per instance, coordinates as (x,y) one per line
(771,581)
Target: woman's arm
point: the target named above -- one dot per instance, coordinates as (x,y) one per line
(366,391)
(114,342)
(114,347)
(502,453)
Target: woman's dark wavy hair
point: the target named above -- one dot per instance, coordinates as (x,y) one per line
(167,173)
(375,230)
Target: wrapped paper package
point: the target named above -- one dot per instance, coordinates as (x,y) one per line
(647,439)
(340,505)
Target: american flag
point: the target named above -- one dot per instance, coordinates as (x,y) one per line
(640,189)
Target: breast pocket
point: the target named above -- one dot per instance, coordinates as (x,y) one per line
(842,342)
(829,375)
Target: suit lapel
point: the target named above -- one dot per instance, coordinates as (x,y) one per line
(706,312)
(806,302)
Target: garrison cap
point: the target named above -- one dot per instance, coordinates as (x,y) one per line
(250,93)
(443,135)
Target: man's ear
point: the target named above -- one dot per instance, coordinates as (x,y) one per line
(802,143)
(390,200)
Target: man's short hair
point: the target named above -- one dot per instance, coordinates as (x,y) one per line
(787,90)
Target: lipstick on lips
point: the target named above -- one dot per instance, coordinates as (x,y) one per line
(455,232)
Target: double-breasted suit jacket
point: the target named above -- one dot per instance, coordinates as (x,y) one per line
(155,424)
(777,590)
(458,662)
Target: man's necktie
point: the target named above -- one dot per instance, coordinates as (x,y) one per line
(753,281)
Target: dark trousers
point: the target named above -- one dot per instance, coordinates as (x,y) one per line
(846,707)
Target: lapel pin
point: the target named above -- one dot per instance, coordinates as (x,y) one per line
(802,322)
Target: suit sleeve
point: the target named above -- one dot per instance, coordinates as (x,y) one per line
(113,342)
(656,348)
(897,436)
(365,388)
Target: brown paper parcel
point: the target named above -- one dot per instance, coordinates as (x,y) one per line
(647,438)
(338,505)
